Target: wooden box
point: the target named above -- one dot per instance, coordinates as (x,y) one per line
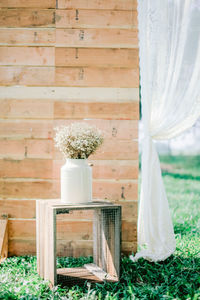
(106,242)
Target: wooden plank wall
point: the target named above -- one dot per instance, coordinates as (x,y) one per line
(63,61)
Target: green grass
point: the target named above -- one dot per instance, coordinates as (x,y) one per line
(176,278)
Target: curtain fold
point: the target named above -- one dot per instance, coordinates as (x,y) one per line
(169,50)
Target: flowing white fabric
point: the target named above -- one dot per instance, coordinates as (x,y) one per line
(169,47)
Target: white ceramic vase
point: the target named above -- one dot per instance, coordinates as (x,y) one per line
(76,181)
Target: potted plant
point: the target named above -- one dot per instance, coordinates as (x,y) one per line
(77,142)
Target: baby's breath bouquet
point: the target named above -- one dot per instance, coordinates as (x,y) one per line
(78,140)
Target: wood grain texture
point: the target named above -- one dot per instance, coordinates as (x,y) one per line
(18,247)
(96,4)
(68,76)
(129,231)
(115,190)
(27,18)
(115,169)
(129,210)
(63,61)
(77,230)
(112,149)
(117,149)
(22,209)
(97,77)
(3,237)
(26,129)
(22,228)
(38,76)
(28,3)
(46,189)
(104,38)
(30,189)
(96,57)
(122,111)
(70,94)
(26,109)
(37,128)
(28,36)
(26,168)
(106,169)
(20,149)
(129,248)
(28,56)
(76,18)
(117,129)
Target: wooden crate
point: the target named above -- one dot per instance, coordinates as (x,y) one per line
(106,242)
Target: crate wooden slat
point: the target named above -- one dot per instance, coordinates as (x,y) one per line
(106,242)
(3,237)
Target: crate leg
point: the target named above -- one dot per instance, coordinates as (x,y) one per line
(52,268)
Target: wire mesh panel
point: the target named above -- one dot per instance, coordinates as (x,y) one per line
(78,243)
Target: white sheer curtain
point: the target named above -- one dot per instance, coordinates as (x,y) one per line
(169,42)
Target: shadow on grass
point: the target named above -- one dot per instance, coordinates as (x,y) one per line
(185,229)
(181,176)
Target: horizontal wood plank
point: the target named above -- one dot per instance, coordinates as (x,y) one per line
(96,4)
(23,129)
(20,149)
(28,36)
(129,210)
(28,3)
(70,94)
(38,76)
(115,169)
(25,209)
(47,169)
(22,209)
(106,169)
(69,76)
(22,229)
(115,190)
(46,189)
(30,189)
(44,149)
(129,231)
(104,38)
(33,129)
(19,247)
(27,56)
(96,110)
(117,129)
(67,230)
(74,230)
(26,168)
(34,109)
(117,149)
(77,18)
(27,18)
(102,77)
(26,109)
(96,57)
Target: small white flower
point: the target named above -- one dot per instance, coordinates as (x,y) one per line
(78,140)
